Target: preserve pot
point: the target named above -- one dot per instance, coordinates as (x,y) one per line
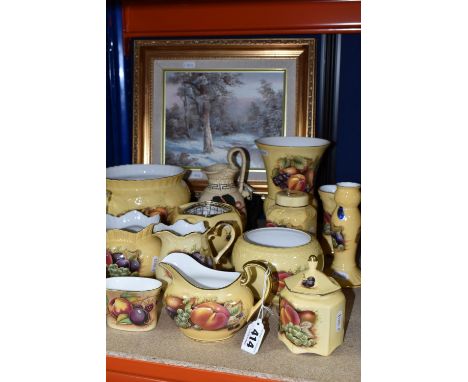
(213,213)
(131,303)
(148,187)
(287,250)
(131,253)
(291,163)
(192,239)
(206,304)
(312,312)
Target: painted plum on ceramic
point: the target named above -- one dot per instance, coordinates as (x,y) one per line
(131,309)
(122,262)
(294,173)
(299,327)
(204,314)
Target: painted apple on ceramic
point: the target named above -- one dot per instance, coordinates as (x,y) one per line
(294,173)
(204,315)
(278,278)
(297,326)
(131,309)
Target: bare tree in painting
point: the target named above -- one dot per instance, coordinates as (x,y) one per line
(203,89)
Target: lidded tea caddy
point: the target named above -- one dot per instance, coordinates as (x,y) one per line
(312,312)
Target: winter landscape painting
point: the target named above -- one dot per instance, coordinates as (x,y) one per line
(208,112)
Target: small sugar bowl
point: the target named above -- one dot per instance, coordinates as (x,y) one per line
(312,312)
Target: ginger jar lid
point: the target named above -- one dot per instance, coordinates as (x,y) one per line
(312,281)
(291,198)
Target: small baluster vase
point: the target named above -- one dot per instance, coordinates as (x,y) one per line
(345,234)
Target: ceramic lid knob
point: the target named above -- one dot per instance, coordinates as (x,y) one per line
(291,198)
(311,281)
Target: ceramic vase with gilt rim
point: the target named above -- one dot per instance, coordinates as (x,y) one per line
(327,196)
(345,234)
(291,163)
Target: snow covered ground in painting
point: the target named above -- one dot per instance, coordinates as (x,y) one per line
(222,144)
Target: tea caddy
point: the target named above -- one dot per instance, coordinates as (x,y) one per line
(312,312)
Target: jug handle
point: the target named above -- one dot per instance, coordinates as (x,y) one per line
(232,152)
(232,233)
(246,277)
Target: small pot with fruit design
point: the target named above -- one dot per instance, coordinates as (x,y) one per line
(312,312)
(210,305)
(131,303)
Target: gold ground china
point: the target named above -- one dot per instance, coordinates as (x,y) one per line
(209,305)
(291,163)
(213,214)
(312,312)
(132,303)
(132,253)
(192,239)
(346,233)
(148,188)
(286,250)
(327,196)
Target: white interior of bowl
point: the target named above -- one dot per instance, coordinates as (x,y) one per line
(292,141)
(197,274)
(348,184)
(277,237)
(132,284)
(142,171)
(328,188)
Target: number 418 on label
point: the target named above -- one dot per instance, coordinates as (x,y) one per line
(253,337)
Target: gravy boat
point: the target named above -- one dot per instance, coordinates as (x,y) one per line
(206,304)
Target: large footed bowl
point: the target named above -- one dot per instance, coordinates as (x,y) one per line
(151,188)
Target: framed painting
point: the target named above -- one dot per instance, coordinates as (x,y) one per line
(193,100)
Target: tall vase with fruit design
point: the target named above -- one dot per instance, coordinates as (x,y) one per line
(291,164)
(327,196)
(222,185)
(345,234)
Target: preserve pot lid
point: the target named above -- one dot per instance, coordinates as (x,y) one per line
(291,198)
(311,281)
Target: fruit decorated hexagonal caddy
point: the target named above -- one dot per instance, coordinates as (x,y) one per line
(312,312)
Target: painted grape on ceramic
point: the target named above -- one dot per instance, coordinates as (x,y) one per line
(202,314)
(299,327)
(122,262)
(337,237)
(132,309)
(294,173)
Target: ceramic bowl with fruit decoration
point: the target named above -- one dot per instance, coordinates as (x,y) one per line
(312,312)
(132,253)
(131,303)
(287,250)
(291,164)
(210,305)
(213,214)
(133,221)
(149,188)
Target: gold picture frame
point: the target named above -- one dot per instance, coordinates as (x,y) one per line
(155,68)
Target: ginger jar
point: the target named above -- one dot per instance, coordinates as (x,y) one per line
(312,312)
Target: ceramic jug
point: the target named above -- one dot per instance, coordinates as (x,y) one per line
(222,182)
(192,239)
(285,249)
(152,189)
(291,164)
(327,196)
(312,312)
(131,253)
(206,304)
(213,213)
(345,233)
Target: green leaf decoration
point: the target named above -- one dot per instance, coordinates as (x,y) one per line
(275,172)
(127,295)
(123,319)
